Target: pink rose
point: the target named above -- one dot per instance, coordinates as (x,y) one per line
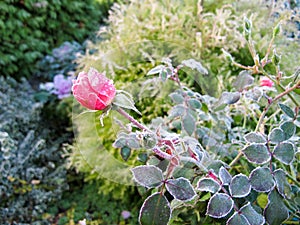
(93,90)
(266,82)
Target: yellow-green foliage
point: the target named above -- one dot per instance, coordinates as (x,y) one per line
(140,33)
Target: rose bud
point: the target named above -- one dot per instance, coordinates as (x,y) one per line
(266,82)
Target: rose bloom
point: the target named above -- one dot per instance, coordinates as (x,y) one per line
(266,82)
(93,90)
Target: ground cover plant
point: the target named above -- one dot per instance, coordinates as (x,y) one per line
(33,171)
(226,160)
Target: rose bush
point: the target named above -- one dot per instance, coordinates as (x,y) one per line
(191,153)
(93,90)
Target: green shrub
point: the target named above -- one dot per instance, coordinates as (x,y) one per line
(141,33)
(33,172)
(29,29)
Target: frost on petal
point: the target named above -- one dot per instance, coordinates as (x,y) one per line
(93,90)
(96,79)
(266,82)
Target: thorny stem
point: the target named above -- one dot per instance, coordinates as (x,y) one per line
(286,92)
(215,178)
(281,87)
(162,154)
(157,151)
(261,118)
(132,120)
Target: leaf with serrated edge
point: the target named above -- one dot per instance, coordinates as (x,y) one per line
(177,111)
(243,80)
(261,179)
(181,189)
(239,186)
(219,205)
(208,184)
(252,216)
(124,101)
(156,70)
(276,211)
(276,135)
(229,98)
(189,123)
(257,153)
(255,137)
(193,64)
(155,210)
(148,176)
(224,176)
(289,129)
(284,152)
(283,186)
(177,98)
(287,110)
(237,219)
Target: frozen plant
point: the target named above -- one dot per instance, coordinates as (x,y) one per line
(236,153)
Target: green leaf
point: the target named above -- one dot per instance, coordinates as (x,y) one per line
(155,210)
(156,70)
(288,129)
(262,200)
(229,98)
(181,189)
(125,153)
(276,211)
(252,216)
(282,184)
(287,110)
(120,142)
(208,184)
(176,98)
(284,152)
(261,179)
(193,64)
(254,94)
(219,205)
(142,157)
(257,153)
(148,176)
(239,186)
(189,123)
(149,141)
(237,219)
(194,103)
(128,140)
(125,101)
(243,80)
(277,135)
(255,137)
(177,111)
(163,75)
(224,176)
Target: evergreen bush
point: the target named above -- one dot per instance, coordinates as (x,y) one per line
(29,29)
